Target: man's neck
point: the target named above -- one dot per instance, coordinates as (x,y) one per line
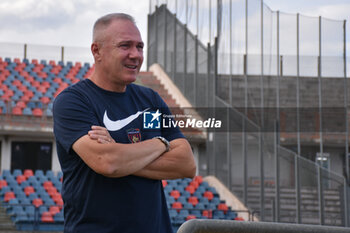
(107,85)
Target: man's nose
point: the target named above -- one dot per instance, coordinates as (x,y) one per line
(135,52)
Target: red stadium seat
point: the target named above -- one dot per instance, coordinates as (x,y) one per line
(194,183)
(37,112)
(51,191)
(42,89)
(189,217)
(17,111)
(223,206)
(199,179)
(8,196)
(37,202)
(207,213)
(47,217)
(193,200)
(28,173)
(28,190)
(45,100)
(175,193)
(209,195)
(177,206)
(191,189)
(54,210)
(20,179)
(47,184)
(21,104)
(16,83)
(59,202)
(3,183)
(239,219)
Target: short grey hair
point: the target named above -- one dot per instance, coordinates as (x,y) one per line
(106,20)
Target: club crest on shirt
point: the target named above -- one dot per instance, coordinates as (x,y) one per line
(134,135)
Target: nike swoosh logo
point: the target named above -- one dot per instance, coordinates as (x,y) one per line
(119,124)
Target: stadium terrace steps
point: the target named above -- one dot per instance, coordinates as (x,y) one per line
(309,204)
(5,221)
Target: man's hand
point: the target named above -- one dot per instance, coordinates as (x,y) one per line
(177,163)
(100,134)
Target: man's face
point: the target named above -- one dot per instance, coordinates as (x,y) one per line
(121,52)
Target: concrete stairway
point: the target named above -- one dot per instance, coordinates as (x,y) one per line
(309,205)
(6,225)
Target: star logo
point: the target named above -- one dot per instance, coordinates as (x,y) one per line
(151,120)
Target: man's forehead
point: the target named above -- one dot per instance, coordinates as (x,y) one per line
(125,30)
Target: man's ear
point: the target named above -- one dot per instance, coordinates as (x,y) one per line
(95,49)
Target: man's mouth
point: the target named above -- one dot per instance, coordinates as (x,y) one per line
(131,66)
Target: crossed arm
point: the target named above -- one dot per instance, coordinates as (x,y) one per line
(146,159)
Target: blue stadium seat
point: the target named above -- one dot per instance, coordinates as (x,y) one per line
(170,199)
(6,173)
(218,214)
(201,206)
(14,210)
(172,213)
(58,217)
(188,206)
(21,217)
(25,201)
(215,200)
(182,199)
(27,111)
(24,184)
(14,201)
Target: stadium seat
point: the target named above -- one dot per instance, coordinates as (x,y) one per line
(37,112)
(20,179)
(17,111)
(37,202)
(28,173)
(177,206)
(218,214)
(193,200)
(28,190)
(3,183)
(54,210)
(189,217)
(58,218)
(8,196)
(207,213)
(175,193)
(223,207)
(47,217)
(191,189)
(209,195)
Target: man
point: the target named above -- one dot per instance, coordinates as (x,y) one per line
(116,187)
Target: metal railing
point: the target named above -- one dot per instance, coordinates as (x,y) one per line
(224,226)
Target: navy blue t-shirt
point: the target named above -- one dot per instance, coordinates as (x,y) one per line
(93,202)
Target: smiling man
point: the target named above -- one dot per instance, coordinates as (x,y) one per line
(116,186)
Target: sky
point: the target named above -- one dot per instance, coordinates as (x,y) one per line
(69,22)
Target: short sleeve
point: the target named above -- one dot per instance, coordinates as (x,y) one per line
(73,118)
